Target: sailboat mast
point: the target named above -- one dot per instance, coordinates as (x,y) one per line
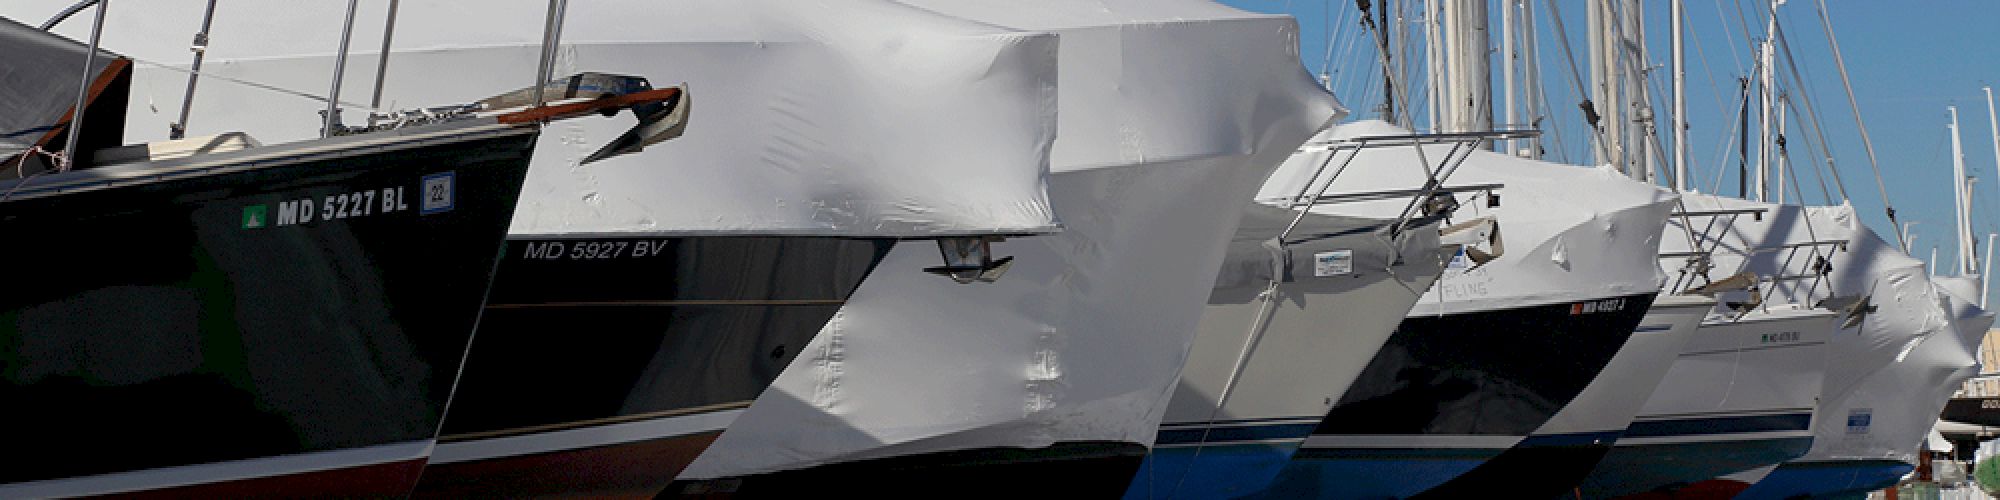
(1469,104)
(1680,99)
(1531,75)
(1511,118)
(1987,276)
(1784,164)
(1388,62)
(1639,128)
(1605,73)
(1963,231)
(1766,79)
(1434,52)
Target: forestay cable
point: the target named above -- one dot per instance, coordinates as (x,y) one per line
(1826,25)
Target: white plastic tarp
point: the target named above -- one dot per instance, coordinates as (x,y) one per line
(1171,113)
(1569,233)
(1886,412)
(838,117)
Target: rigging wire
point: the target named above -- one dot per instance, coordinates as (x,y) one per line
(1735,132)
(1811,114)
(1576,79)
(1869,144)
(1729,39)
(262,86)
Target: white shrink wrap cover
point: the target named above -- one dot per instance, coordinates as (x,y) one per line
(1570,233)
(1171,113)
(838,117)
(1887,380)
(1888,414)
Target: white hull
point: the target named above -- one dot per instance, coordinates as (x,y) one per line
(1611,400)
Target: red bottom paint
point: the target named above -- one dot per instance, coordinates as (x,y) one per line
(1713,489)
(631,470)
(391,479)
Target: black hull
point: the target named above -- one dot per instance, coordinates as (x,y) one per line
(1069,470)
(588,333)
(1498,372)
(1443,389)
(308,302)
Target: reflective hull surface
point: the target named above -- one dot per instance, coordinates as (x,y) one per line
(605,366)
(1450,392)
(290,320)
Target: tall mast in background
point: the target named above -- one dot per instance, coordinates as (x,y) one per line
(1963,231)
(1531,75)
(1388,62)
(1511,118)
(1680,99)
(1469,68)
(1766,100)
(1639,128)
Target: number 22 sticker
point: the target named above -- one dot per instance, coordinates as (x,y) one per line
(439,192)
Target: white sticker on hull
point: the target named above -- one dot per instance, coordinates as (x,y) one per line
(1334,263)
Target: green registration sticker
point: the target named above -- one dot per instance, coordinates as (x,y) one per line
(254,217)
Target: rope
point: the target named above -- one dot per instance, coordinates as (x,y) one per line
(1887,207)
(20,170)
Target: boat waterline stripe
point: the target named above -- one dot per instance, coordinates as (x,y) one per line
(1652,328)
(586,437)
(1722,413)
(1234,434)
(536,429)
(235,470)
(1243,421)
(1414,441)
(1260,442)
(672,303)
(1720,425)
(1714,438)
(1571,439)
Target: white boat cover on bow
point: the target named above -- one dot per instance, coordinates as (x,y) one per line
(1895,285)
(1885,385)
(1570,233)
(1171,114)
(1888,414)
(839,117)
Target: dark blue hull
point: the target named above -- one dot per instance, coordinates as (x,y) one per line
(1230,459)
(1817,479)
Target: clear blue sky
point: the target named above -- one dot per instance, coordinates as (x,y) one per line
(1908,61)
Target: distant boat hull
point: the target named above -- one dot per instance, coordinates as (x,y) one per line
(1450,392)
(1771,362)
(275,321)
(1824,478)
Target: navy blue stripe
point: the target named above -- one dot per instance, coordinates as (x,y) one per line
(1314,418)
(1572,439)
(1721,425)
(1244,433)
(26,131)
(1652,328)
